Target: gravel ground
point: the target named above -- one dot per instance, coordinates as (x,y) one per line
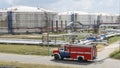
(102,60)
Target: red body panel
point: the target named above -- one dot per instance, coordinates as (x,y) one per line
(55,51)
(88,53)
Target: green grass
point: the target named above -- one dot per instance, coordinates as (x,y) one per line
(24,49)
(114,39)
(21,65)
(33,36)
(115,55)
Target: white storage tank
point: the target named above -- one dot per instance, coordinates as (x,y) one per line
(31,19)
(3,21)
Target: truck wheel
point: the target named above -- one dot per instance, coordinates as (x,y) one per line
(62,58)
(56,57)
(80,59)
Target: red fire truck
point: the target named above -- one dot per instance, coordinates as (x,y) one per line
(79,52)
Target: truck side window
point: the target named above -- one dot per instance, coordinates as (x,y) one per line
(61,48)
(66,49)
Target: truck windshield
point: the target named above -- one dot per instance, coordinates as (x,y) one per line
(61,48)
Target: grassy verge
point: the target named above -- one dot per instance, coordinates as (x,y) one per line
(115,55)
(25,49)
(100,47)
(22,36)
(114,39)
(21,65)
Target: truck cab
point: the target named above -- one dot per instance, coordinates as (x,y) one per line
(61,53)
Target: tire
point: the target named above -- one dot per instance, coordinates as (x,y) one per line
(80,59)
(62,58)
(56,57)
(85,60)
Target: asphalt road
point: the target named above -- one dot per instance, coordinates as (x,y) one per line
(102,61)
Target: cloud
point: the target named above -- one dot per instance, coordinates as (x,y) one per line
(86,4)
(48,1)
(106,3)
(68,5)
(44,3)
(12,2)
(72,5)
(107,6)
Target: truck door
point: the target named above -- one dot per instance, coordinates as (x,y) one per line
(65,53)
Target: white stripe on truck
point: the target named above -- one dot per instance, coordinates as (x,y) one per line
(81,52)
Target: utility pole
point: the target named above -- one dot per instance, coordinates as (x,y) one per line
(47,29)
(119,23)
(119,45)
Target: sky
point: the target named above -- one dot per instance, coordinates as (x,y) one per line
(92,6)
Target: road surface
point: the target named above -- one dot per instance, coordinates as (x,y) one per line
(102,60)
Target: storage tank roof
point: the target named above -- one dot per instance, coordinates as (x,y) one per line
(3,10)
(86,13)
(102,14)
(105,14)
(27,9)
(71,12)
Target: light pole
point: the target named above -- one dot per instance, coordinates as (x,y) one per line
(119,14)
(119,45)
(47,29)
(48,43)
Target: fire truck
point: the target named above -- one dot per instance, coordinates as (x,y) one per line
(78,52)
